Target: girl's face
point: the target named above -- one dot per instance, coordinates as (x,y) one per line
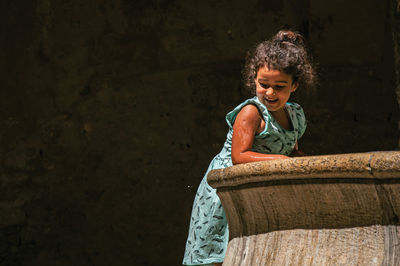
(273,88)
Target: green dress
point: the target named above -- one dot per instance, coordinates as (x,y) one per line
(208,232)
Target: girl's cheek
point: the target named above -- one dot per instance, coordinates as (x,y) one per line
(260,90)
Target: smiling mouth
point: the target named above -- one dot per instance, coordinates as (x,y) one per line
(271,101)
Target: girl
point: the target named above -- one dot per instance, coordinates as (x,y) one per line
(265,127)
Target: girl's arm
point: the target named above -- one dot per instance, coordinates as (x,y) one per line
(247,124)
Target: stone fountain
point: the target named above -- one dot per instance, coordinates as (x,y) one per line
(315,210)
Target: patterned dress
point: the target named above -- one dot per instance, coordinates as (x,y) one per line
(208,232)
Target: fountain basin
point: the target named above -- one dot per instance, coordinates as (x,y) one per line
(315,210)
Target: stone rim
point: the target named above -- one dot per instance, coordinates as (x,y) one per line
(369,165)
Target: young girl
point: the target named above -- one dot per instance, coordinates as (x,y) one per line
(265,127)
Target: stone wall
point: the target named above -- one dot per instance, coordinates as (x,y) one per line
(395,25)
(111,111)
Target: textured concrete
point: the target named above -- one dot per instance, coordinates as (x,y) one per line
(317,210)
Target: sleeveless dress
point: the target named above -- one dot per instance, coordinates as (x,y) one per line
(208,231)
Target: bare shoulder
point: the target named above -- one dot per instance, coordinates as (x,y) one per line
(250,112)
(249,116)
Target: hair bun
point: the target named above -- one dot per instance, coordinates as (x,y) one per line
(288,36)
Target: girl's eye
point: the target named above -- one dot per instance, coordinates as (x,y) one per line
(276,87)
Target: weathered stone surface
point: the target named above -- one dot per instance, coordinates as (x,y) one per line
(370,246)
(11,213)
(317,210)
(357,165)
(395,29)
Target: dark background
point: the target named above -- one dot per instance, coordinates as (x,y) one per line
(110,112)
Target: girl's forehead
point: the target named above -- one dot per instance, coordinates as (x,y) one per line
(273,74)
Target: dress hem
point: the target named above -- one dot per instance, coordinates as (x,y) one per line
(205,262)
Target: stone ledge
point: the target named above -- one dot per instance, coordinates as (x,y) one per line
(371,165)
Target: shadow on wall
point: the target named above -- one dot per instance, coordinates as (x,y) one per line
(111,112)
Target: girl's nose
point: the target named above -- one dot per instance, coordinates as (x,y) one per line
(269,91)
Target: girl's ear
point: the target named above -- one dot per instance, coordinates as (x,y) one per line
(255,77)
(294,86)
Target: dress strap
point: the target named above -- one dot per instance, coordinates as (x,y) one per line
(231,116)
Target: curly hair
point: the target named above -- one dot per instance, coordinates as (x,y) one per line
(285,52)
